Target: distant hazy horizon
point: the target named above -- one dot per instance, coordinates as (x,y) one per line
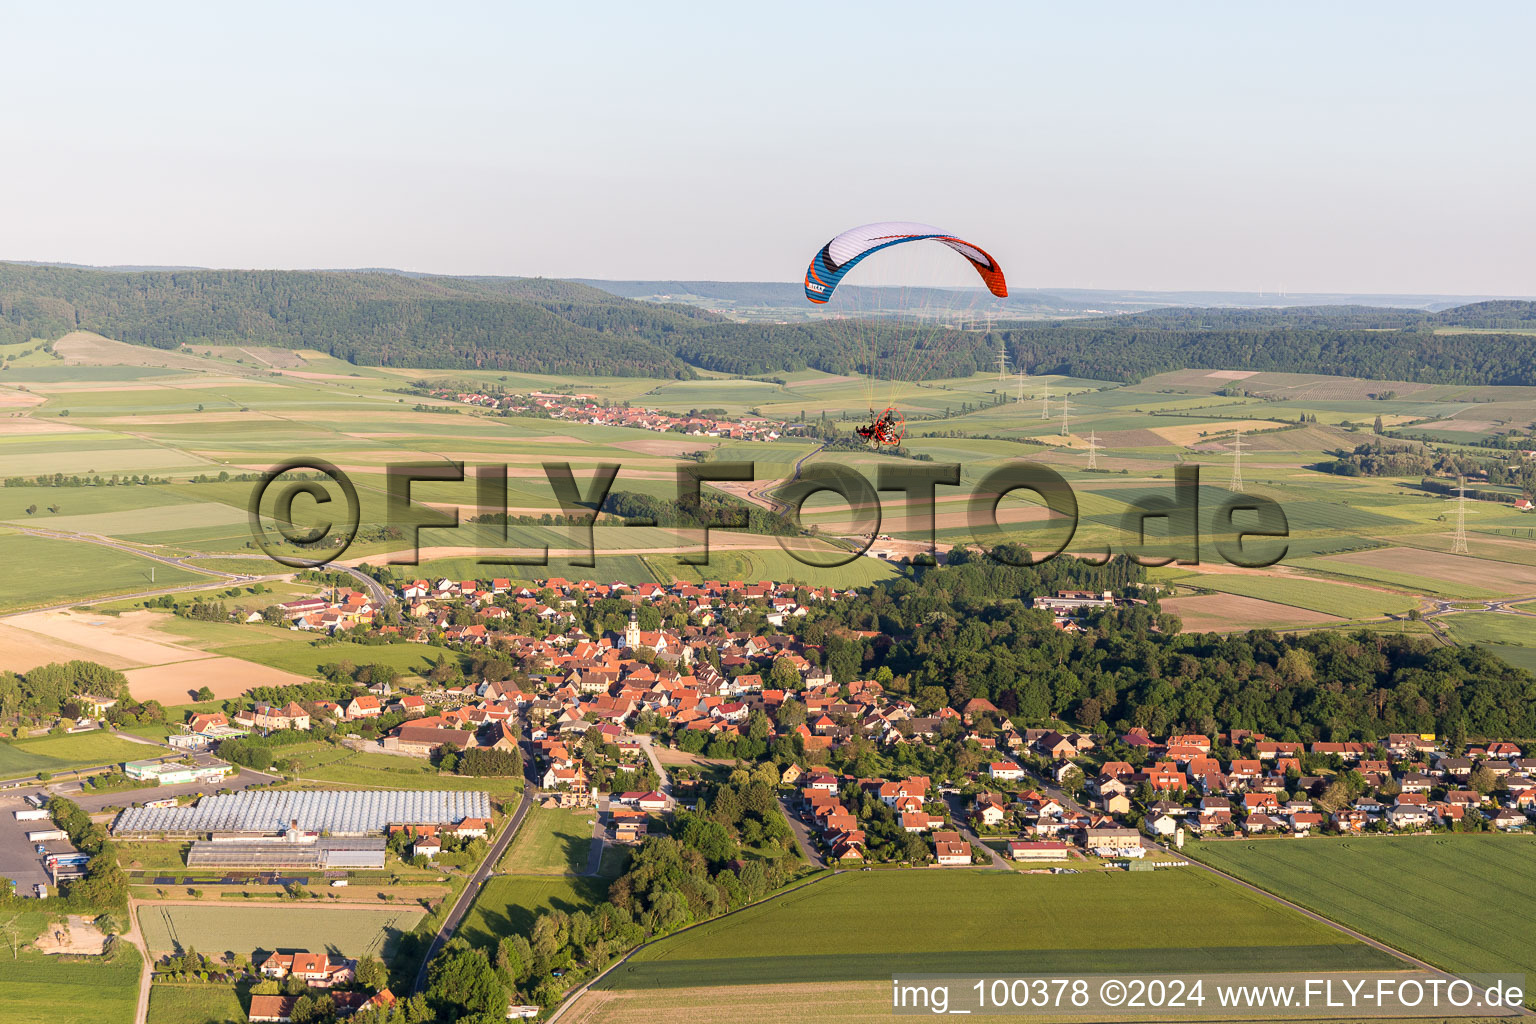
(1371,148)
(1287,298)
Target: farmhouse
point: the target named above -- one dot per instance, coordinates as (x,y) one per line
(272,1009)
(320,970)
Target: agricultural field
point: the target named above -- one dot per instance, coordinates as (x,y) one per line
(217,929)
(322,766)
(36,988)
(1339,599)
(1460,902)
(49,571)
(1359,548)
(1510,636)
(61,753)
(195,1004)
(857,926)
(551,841)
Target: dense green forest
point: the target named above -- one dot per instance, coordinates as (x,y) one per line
(374,319)
(537,325)
(964,631)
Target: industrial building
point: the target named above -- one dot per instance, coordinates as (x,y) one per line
(308,853)
(174,773)
(257,814)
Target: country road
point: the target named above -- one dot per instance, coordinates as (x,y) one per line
(477,880)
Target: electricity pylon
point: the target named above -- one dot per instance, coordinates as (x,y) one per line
(1045,399)
(1459,541)
(1236,483)
(1093,450)
(1066,412)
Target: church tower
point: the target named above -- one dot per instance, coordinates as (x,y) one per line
(632,631)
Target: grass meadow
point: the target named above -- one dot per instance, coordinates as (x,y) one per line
(60,753)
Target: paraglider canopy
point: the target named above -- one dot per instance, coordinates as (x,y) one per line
(844,252)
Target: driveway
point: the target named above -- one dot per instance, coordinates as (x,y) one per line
(663,780)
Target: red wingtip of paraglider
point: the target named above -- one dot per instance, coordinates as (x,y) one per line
(992,275)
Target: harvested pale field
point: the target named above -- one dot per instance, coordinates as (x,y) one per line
(19,399)
(22,649)
(226,677)
(719,540)
(1231,374)
(28,425)
(82,348)
(667,446)
(1224,613)
(1442,565)
(1461,426)
(129,639)
(1130,439)
(1194,433)
(853,1002)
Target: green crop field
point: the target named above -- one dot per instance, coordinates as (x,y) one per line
(551,841)
(44,571)
(1464,903)
(1511,637)
(1339,599)
(39,989)
(301,654)
(508,904)
(60,753)
(318,765)
(864,925)
(297,926)
(195,1004)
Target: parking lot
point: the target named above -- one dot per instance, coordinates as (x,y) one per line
(19,861)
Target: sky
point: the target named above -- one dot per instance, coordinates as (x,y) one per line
(1309,147)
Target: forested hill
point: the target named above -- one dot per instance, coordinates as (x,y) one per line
(1504,314)
(370,318)
(381,318)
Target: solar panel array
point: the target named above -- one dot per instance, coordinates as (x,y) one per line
(340,812)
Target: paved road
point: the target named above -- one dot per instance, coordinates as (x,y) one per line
(483,872)
(956,804)
(809,849)
(599,837)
